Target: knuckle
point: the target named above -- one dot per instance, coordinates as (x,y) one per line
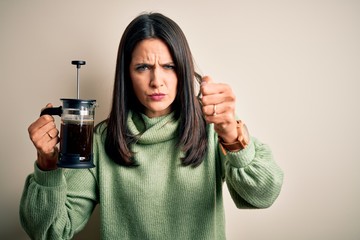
(203,90)
(229,117)
(30,131)
(231,108)
(38,145)
(203,109)
(204,101)
(32,136)
(231,97)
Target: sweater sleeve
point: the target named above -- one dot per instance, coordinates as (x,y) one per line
(57,204)
(253,178)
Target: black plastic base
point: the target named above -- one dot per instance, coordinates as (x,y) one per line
(73,161)
(76,165)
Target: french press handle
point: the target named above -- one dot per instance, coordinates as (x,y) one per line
(52,111)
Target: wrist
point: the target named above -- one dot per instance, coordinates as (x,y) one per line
(45,163)
(229,137)
(241,141)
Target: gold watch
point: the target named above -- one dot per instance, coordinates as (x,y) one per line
(242,140)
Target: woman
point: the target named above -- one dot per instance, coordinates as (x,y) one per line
(161,157)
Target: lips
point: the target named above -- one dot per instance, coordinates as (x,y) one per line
(157,96)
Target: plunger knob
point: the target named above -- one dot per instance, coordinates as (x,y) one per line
(78,63)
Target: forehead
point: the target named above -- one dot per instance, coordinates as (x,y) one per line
(150,50)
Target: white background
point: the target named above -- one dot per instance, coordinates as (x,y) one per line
(294,66)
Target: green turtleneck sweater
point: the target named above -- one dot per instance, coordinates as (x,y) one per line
(159,199)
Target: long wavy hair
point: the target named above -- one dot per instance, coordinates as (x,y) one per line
(192,138)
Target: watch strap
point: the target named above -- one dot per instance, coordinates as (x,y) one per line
(242,141)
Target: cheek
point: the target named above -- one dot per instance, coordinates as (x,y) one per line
(174,89)
(137,88)
(173,85)
(139,92)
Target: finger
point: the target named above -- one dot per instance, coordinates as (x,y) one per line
(49,105)
(220,120)
(216,110)
(217,98)
(207,79)
(208,100)
(46,142)
(40,128)
(212,109)
(214,88)
(53,132)
(204,87)
(48,129)
(44,121)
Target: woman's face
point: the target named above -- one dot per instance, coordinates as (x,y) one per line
(153,77)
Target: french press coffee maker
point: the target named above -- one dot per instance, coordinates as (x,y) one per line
(77,128)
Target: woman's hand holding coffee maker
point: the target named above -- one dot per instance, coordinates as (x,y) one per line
(45,136)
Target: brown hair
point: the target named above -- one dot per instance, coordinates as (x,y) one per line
(186,106)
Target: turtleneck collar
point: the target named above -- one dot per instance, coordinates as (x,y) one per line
(152,130)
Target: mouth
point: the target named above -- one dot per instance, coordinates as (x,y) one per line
(157,96)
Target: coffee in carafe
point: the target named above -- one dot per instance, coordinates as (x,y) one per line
(79,139)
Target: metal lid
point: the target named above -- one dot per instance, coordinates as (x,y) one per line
(77,103)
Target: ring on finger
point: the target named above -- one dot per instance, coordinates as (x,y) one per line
(214,114)
(49,135)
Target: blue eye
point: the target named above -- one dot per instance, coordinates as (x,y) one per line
(142,67)
(169,66)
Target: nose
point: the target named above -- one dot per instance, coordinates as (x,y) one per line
(157,78)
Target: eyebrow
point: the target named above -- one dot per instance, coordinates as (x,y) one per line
(150,64)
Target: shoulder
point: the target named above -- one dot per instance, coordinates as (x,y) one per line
(101,127)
